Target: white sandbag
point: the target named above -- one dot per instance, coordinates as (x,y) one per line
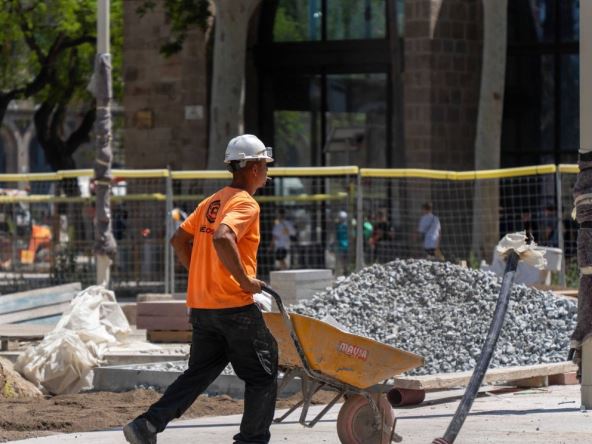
(60,364)
(96,316)
(63,362)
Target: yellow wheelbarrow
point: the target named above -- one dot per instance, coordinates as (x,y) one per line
(324,356)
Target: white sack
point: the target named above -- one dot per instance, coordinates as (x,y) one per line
(527,252)
(63,361)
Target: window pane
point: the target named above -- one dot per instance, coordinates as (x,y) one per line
(570,103)
(3,165)
(570,20)
(296,121)
(528,123)
(355,19)
(531,21)
(297,21)
(356,120)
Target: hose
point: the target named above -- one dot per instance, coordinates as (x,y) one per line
(486,353)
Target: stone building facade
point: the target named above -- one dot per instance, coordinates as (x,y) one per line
(165,99)
(397,80)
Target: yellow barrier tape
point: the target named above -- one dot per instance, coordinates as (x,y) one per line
(68,174)
(406,172)
(458,175)
(214,174)
(273,172)
(140,174)
(29,177)
(569,168)
(43,198)
(314,171)
(304,172)
(293,198)
(303,198)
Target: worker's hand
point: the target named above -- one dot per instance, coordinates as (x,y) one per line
(252,285)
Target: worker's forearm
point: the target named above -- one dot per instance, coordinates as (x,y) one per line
(229,256)
(183,253)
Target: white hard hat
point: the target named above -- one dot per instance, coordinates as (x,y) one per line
(342,215)
(247,147)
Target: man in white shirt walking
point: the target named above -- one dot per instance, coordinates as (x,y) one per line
(429,229)
(283,231)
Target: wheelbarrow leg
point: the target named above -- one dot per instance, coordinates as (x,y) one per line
(288,377)
(305,400)
(325,410)
(309,388)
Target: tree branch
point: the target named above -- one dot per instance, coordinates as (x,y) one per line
(57,119)
(29,37)
(71,43)
(82,133)
(41,119)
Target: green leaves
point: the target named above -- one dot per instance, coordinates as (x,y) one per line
(182,16)
(47,51)
(46,36)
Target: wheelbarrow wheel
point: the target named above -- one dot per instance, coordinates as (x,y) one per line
(355,421)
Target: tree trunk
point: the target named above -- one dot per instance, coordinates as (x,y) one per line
(489,126)
(228,82)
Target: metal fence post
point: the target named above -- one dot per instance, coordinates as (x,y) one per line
(360,223)
(169,277)
(559,228)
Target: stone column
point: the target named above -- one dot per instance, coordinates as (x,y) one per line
(443,45)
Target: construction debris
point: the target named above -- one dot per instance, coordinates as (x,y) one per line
(44,305)
(13,385)
(63,361)
(442,312)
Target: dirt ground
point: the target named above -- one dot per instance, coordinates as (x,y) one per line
(28,418)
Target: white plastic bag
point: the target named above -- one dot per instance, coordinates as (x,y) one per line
(63,361)
(263,301)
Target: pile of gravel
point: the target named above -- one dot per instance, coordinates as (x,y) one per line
(442,312)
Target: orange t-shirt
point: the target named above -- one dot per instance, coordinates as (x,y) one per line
(210,284)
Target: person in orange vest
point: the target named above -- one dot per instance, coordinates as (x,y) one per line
(218,244)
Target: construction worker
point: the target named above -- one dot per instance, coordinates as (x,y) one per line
(218,244)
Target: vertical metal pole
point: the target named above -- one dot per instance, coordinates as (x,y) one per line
(585,76)
(559,224)
(167,234)
(360,223)
(103,31)
(103,261)
(584,156)
(169,257)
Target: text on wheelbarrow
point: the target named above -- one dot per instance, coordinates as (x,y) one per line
(353,350)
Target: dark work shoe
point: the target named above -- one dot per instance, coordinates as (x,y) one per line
(140,431)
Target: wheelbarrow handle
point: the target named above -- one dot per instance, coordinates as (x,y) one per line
(290,326)
(276,297)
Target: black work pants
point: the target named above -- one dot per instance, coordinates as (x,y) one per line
(235,335)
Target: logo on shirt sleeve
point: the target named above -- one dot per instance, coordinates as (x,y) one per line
(212,212)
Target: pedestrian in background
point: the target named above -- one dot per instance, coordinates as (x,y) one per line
(282,234)
(429,229)
(382,238)
(342,243)
(218,244)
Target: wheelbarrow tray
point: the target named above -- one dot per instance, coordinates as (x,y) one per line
(348,358)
